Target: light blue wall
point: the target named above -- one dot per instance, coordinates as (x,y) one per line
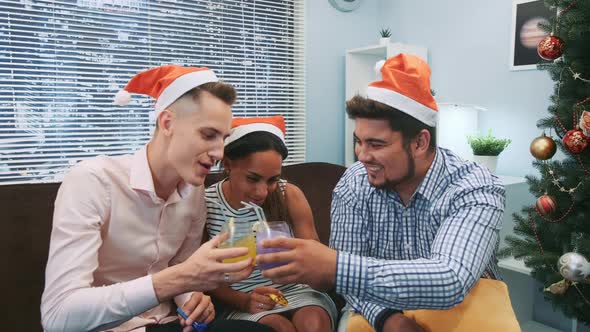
(468,45)
(329,34)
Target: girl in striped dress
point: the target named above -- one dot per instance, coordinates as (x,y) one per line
(253,157)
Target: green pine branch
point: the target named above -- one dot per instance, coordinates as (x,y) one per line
(530,228)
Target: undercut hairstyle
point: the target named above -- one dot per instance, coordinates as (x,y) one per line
(275,207)
(225,92)
(408,126)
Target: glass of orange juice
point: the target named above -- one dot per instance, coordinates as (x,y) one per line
(240,235)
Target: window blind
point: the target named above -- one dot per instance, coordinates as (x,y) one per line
(61,63)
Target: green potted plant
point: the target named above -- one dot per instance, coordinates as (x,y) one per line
(385,34)
(486,149)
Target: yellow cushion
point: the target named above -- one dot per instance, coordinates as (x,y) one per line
(486,308)
(358,323)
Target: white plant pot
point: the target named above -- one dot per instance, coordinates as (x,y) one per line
(491,162)
(384,41)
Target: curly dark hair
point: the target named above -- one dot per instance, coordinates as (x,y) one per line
(408,126)
(275,207)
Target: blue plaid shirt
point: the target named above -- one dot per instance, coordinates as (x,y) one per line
(426,255)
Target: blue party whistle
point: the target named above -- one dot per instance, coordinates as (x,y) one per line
(199,327)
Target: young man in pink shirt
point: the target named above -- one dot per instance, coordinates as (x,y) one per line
(127,229)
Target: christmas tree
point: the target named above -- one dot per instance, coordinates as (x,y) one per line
(553,236)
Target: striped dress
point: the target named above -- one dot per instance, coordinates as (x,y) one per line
(298,295)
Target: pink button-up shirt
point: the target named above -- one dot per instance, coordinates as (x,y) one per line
(110,233)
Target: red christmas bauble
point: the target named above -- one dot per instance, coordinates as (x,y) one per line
(546,205)
(550,47)
(575,141)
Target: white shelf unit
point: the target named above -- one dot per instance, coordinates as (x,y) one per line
(521,285)
(515,265)
(360,71)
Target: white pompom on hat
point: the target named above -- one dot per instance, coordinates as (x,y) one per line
(378,65)
(122,98)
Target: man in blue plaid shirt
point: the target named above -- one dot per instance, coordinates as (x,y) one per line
(413,225)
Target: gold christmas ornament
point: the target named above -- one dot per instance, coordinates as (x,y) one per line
(543,147)
(559,288)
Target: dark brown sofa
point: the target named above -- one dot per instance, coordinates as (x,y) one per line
(24,239)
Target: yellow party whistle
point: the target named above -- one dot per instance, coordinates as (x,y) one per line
(279,299)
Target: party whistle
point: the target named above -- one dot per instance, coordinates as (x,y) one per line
(279,299)
(199,327)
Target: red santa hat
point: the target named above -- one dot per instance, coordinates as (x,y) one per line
(243,126)
(165,83)
(405,85)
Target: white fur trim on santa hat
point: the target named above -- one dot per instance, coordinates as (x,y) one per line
(407,105)
(122,98)
(243,130)
(181,85)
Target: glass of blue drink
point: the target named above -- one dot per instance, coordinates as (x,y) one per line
(271,230)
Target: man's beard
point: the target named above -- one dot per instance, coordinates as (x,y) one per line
(411,166)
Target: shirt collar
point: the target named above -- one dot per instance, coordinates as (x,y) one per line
(140,178)
(432,181)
